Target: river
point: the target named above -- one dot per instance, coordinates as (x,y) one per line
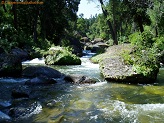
(103,102)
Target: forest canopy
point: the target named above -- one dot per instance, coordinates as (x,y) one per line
(40,25)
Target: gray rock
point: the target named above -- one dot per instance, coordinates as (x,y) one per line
(114,69)
(4,104)
(20,92)
(4,117)
(22,54)
(40,81)
(25,109)
(96,40)
(10,65)
(41,71)
(79,79)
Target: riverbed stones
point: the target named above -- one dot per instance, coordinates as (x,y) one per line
(81,104)
(25,109)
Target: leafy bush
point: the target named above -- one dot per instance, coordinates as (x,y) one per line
(145,61)
(144,58)
(8,37)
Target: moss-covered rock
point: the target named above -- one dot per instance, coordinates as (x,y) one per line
(61,56)
(118,64)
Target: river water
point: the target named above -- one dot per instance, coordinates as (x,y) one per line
(103,102)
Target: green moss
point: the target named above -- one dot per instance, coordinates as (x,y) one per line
(61,57)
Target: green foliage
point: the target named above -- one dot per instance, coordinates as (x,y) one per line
(144,39)
(61,56)
(127,57)
(145,61)
(37,25)
(123,39)
(159,44)
(144,58)
(8,37)
(136,38)
(156,15)
(65,43)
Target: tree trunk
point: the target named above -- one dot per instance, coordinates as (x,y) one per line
(114,24)
(114,36)
(35,36)
(3,1)
(156,31)
(15,15)
(140,23)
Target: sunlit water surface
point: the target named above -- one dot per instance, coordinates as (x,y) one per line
(93,103)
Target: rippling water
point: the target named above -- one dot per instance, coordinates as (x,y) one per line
(91,103)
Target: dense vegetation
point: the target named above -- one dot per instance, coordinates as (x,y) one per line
(37,25)
(138,22)
(53,22)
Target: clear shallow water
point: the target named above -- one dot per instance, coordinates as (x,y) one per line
(92,103)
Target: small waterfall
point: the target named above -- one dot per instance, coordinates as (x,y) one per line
(34,61)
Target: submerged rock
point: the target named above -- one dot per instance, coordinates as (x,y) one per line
(81,104)
(79,79)
(4,117)
(25,110)
(40,81)
(20,92)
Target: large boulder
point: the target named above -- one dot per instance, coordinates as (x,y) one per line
(76,46)
(99,47)
(79,79)
(41,71)
(114,68)
(10,65)
(22,54)
(60,56)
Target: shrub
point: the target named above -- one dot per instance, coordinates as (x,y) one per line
(145,55)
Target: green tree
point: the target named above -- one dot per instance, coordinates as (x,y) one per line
(38,23)
(156,14)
